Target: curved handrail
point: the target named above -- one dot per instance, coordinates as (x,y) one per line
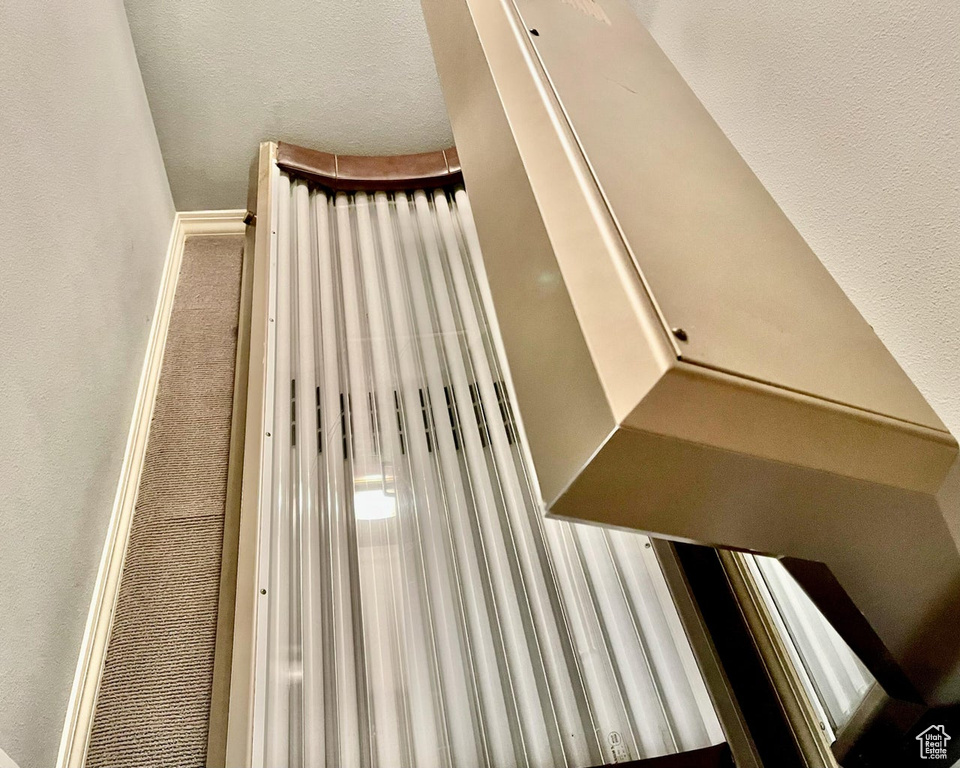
(372,173)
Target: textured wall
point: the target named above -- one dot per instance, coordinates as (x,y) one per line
(850,115)
(348,76)
(86,219)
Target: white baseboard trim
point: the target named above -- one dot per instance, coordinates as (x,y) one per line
(195,223)
(93,648)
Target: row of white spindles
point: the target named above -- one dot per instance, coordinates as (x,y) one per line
(447,624)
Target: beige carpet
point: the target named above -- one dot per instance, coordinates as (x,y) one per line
(154,699)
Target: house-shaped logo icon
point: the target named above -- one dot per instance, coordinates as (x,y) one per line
(933,743)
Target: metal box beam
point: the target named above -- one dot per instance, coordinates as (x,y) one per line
(682,362)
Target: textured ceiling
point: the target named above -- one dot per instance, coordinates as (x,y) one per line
(348,76)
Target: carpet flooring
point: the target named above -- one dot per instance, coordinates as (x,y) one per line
(154,699)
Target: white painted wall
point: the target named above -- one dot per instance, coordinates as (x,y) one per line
(85,215)
(348,76)
(850,115)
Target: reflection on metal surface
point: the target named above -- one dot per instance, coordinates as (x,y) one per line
(835,680)
(707,381)
(415,608)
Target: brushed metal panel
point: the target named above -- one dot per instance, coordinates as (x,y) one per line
(722,260)
(565,420)
(241,715)
(800,438)
(628,343)
(889,549)
(703,406)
